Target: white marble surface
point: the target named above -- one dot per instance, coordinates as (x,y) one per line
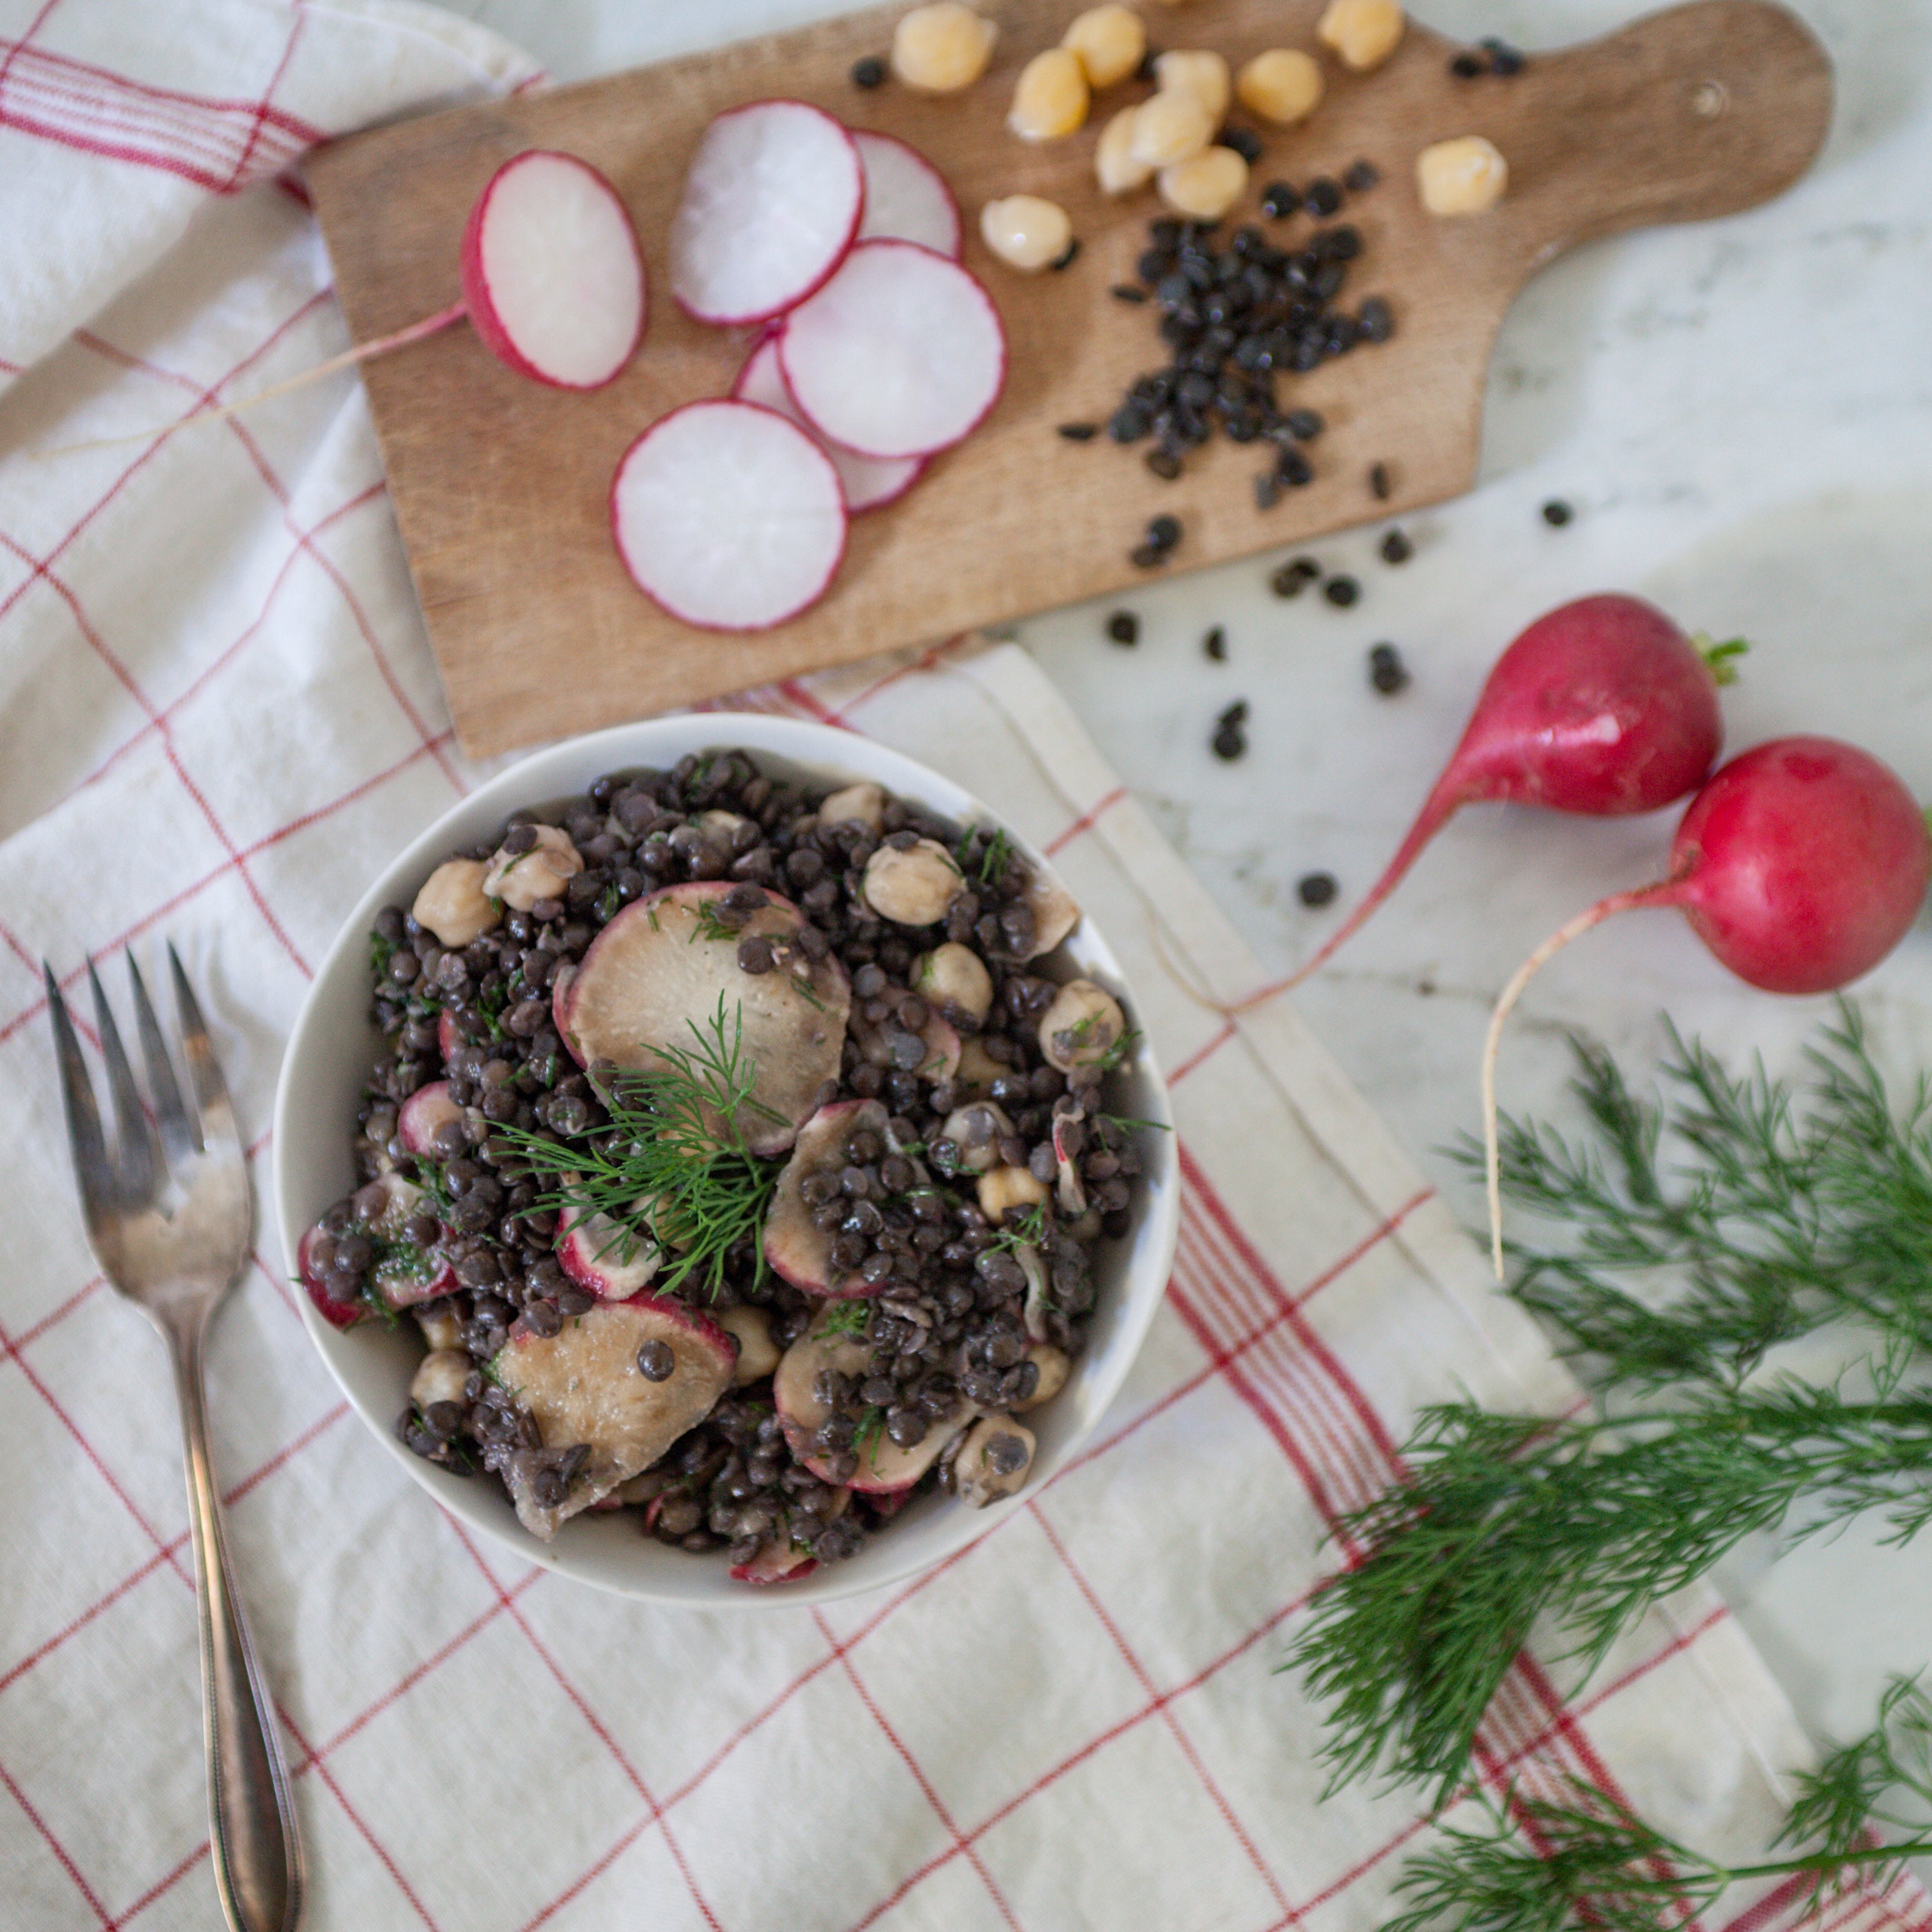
(1741,413)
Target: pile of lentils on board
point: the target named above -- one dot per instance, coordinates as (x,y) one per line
(965,1207)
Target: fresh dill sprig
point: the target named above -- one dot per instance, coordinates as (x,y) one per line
(674,1160)
(870,1432)
(996,856)
(1028,1231)
(1600,1865)
(848,1316)
(1503,1519)
(1122,1050)
(1770,1212)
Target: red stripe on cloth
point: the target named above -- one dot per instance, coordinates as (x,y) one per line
(161,1886)
(1216,1795)
(1213,1046)
(1086,821)
(355,1817)
(919,1778)
(304,132)
(805,702)
(599,1729)
(259,116)
(926,660)
(54,1845)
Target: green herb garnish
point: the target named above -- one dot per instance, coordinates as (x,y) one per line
(676,1141)
(996,856)
(847,1316)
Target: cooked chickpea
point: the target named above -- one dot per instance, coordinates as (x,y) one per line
(441,1325)
(520,879)
(1169,127)
(1054,1368)
(1084,1024)
(1025,231)
(441,1377)
(453,905)
(953,977)
(1364,33)
(1001,1188)
(1205,185)
(751,1328)
(978,1069)
(1465,176)
(941,48)
(1197,72)
(1050,96)
(993,1461)
(975,1131)
(1284,85)
(1108,41)
(1114,163)
(913,887)
(864,804)
(1056,912)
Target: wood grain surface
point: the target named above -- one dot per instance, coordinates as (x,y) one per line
(500,485)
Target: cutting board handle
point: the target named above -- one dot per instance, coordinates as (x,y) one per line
(1699,111)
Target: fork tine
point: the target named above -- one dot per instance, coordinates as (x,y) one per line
(181,1136)
(137,1153)
(211,1091)
(92,1171)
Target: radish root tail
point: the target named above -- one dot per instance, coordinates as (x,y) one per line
(362,353)
(1595,915)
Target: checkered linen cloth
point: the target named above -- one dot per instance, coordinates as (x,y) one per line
(218,716)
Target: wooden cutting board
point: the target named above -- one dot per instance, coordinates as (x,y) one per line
(500,485)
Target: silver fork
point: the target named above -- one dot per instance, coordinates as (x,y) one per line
(169,1214)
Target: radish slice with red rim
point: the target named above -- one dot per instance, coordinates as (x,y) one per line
(902,353)
(907,199)
(551,275)
(867,481)
(771,203)
(728,516)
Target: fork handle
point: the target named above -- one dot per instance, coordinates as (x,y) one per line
(251,1823)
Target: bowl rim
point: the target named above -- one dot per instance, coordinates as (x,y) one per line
(818,748)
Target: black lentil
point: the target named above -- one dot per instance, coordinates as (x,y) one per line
(1286,581)
(1164,530)
(1361,176)
(1124,628)
(1279,199)
(1244,141)
(1396,548)
(1322,196)
(1128,292)
(1380,486)
(1341,591)
(868,72)
(1215,643)
(1147,556)
(1556,513)
(1079,432)
(1306,569)
(1466,66)
(656,1362)
(1386,671)
(1504,59)
(1164,463)
(1315,888)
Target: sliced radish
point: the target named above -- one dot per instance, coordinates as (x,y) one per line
(900,354)
(907,199)
(337,1313)
(775,1563)
(407,1275)
(883,1466)
(658,974)
(612,1261)
(729,516)
(583,1385)
(771,203)
(866,482)
(426,1111)
(551,274)
(449,1036)
(794,1246)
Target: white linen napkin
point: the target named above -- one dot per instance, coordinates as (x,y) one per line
(219,715)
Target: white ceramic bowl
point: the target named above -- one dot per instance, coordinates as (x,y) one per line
(334,1044)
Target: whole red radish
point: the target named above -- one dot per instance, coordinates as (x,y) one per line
(1800,865)
(1603,707)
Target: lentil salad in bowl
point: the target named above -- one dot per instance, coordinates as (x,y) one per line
(717,1154)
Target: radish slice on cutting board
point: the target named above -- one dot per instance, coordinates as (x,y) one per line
(907,199)
(729,516)
(771,203)
(867,481)
(900,354)
(551,275)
